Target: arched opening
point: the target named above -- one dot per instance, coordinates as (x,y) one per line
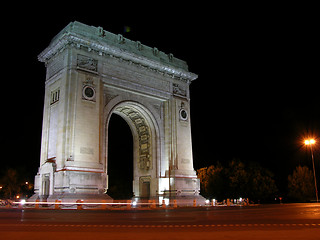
(120,158)
(141,166)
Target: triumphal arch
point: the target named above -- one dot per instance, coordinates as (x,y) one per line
(92,74)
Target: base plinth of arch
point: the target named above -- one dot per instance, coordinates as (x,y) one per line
(69,197)
(179,200)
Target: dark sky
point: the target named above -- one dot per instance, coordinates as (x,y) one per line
(256,97)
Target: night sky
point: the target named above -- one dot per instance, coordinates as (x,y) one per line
(256,97)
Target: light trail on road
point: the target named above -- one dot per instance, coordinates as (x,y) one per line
(287,221)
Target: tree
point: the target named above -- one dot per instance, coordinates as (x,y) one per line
(261,184)
(212,181)
(9,183)
(301,184)
(202,175)
(237,180)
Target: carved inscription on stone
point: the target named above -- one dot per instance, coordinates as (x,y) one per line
(55,65)
(86,150)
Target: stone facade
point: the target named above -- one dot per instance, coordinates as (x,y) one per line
(92,74)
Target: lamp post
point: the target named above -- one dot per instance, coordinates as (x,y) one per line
(310,142)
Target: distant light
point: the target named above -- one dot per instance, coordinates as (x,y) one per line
(126,29)
(207,201)
(134,203)
(27,183)
(23,201)
(309,141)
(17,196)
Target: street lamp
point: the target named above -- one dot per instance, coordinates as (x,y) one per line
(310,142)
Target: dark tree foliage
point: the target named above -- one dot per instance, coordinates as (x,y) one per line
(237,180)
(9,183)
(13,183)
(301,184)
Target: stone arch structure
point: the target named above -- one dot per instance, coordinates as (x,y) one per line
(92,74)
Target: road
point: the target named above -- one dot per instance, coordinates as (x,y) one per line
(285,221)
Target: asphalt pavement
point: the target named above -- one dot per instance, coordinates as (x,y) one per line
(282,221)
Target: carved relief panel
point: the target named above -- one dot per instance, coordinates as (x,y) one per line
(144,160)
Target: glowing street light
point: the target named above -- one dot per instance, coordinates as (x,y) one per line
(310,142)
